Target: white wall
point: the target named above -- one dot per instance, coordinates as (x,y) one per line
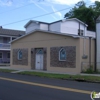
(32,26)
(98,44)
(43,26)
(55,27)
(71,27)
(91,34)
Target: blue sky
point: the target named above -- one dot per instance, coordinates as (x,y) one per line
(12,11)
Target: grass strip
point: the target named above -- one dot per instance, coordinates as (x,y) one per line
(63,76)
(6,70)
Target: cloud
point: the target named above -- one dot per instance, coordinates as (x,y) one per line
(94,0)
(42,9)
(6,3)
(57,13)
(63,2)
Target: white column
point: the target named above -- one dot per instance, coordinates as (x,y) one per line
(10,38)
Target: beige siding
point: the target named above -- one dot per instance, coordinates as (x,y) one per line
(40,39)
(85,47)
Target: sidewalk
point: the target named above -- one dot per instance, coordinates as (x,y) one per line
(20,70)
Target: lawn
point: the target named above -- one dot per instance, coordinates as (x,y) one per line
(87,78)
(6,70)
(64,76)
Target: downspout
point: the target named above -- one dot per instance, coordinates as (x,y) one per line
(48,27)
(84,42)
(95,68)
(90,51)
(79,28)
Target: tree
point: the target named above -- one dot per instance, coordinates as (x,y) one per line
(86,14)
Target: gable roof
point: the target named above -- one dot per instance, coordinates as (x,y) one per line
(55,21)
(11,32)
(50,32)
(33,22)
(63,20)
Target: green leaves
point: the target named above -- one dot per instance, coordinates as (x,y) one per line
(86,14)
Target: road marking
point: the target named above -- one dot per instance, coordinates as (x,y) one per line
(47,86)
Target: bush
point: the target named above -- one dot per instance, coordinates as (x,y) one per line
(89,70)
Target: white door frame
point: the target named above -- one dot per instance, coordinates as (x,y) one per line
(39,60)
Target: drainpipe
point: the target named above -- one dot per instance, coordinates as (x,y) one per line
(79,28)
(95,55)
(89,51)
(84,42)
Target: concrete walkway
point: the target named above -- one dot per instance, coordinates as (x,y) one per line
(20,70)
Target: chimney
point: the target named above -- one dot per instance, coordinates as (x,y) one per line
(98,43)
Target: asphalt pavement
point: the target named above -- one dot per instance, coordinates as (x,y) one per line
(22,87)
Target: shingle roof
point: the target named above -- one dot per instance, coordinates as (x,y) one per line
(11,32)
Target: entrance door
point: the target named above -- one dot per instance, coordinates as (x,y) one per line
(39,59)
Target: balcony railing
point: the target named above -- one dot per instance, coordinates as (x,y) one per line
(4,46)
(4,60)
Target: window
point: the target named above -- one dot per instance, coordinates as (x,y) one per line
(40,51)
(62,54)
(1,39)
(13,38)
(8,55)
(1,55)
(20,55)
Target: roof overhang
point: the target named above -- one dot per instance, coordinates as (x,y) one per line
(34,21)
(51,32)
(76,20)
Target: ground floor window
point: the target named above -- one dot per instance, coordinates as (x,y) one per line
(62,54)
(19,55)
(8,55)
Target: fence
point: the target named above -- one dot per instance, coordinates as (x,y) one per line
(4,46)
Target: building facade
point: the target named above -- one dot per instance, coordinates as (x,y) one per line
(7,35)
(98,43)
(46,46)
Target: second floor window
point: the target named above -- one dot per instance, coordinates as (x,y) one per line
(1,39)
(1,55)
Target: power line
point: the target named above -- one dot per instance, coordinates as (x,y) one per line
(19,8)
(37,16)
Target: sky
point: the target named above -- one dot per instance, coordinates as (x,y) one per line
(14,14)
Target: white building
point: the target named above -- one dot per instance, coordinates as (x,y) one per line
(98,42)
(67,26)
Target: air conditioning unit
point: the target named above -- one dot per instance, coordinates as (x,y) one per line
(80,32)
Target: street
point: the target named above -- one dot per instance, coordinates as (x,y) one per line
(24,87)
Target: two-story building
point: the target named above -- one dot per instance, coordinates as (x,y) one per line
(7,35)
(61,46)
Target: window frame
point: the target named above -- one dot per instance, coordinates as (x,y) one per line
(60,54)
(2,55)
(7,55)
(38,52)
(18,55)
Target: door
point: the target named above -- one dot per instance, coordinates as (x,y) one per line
(39,59)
